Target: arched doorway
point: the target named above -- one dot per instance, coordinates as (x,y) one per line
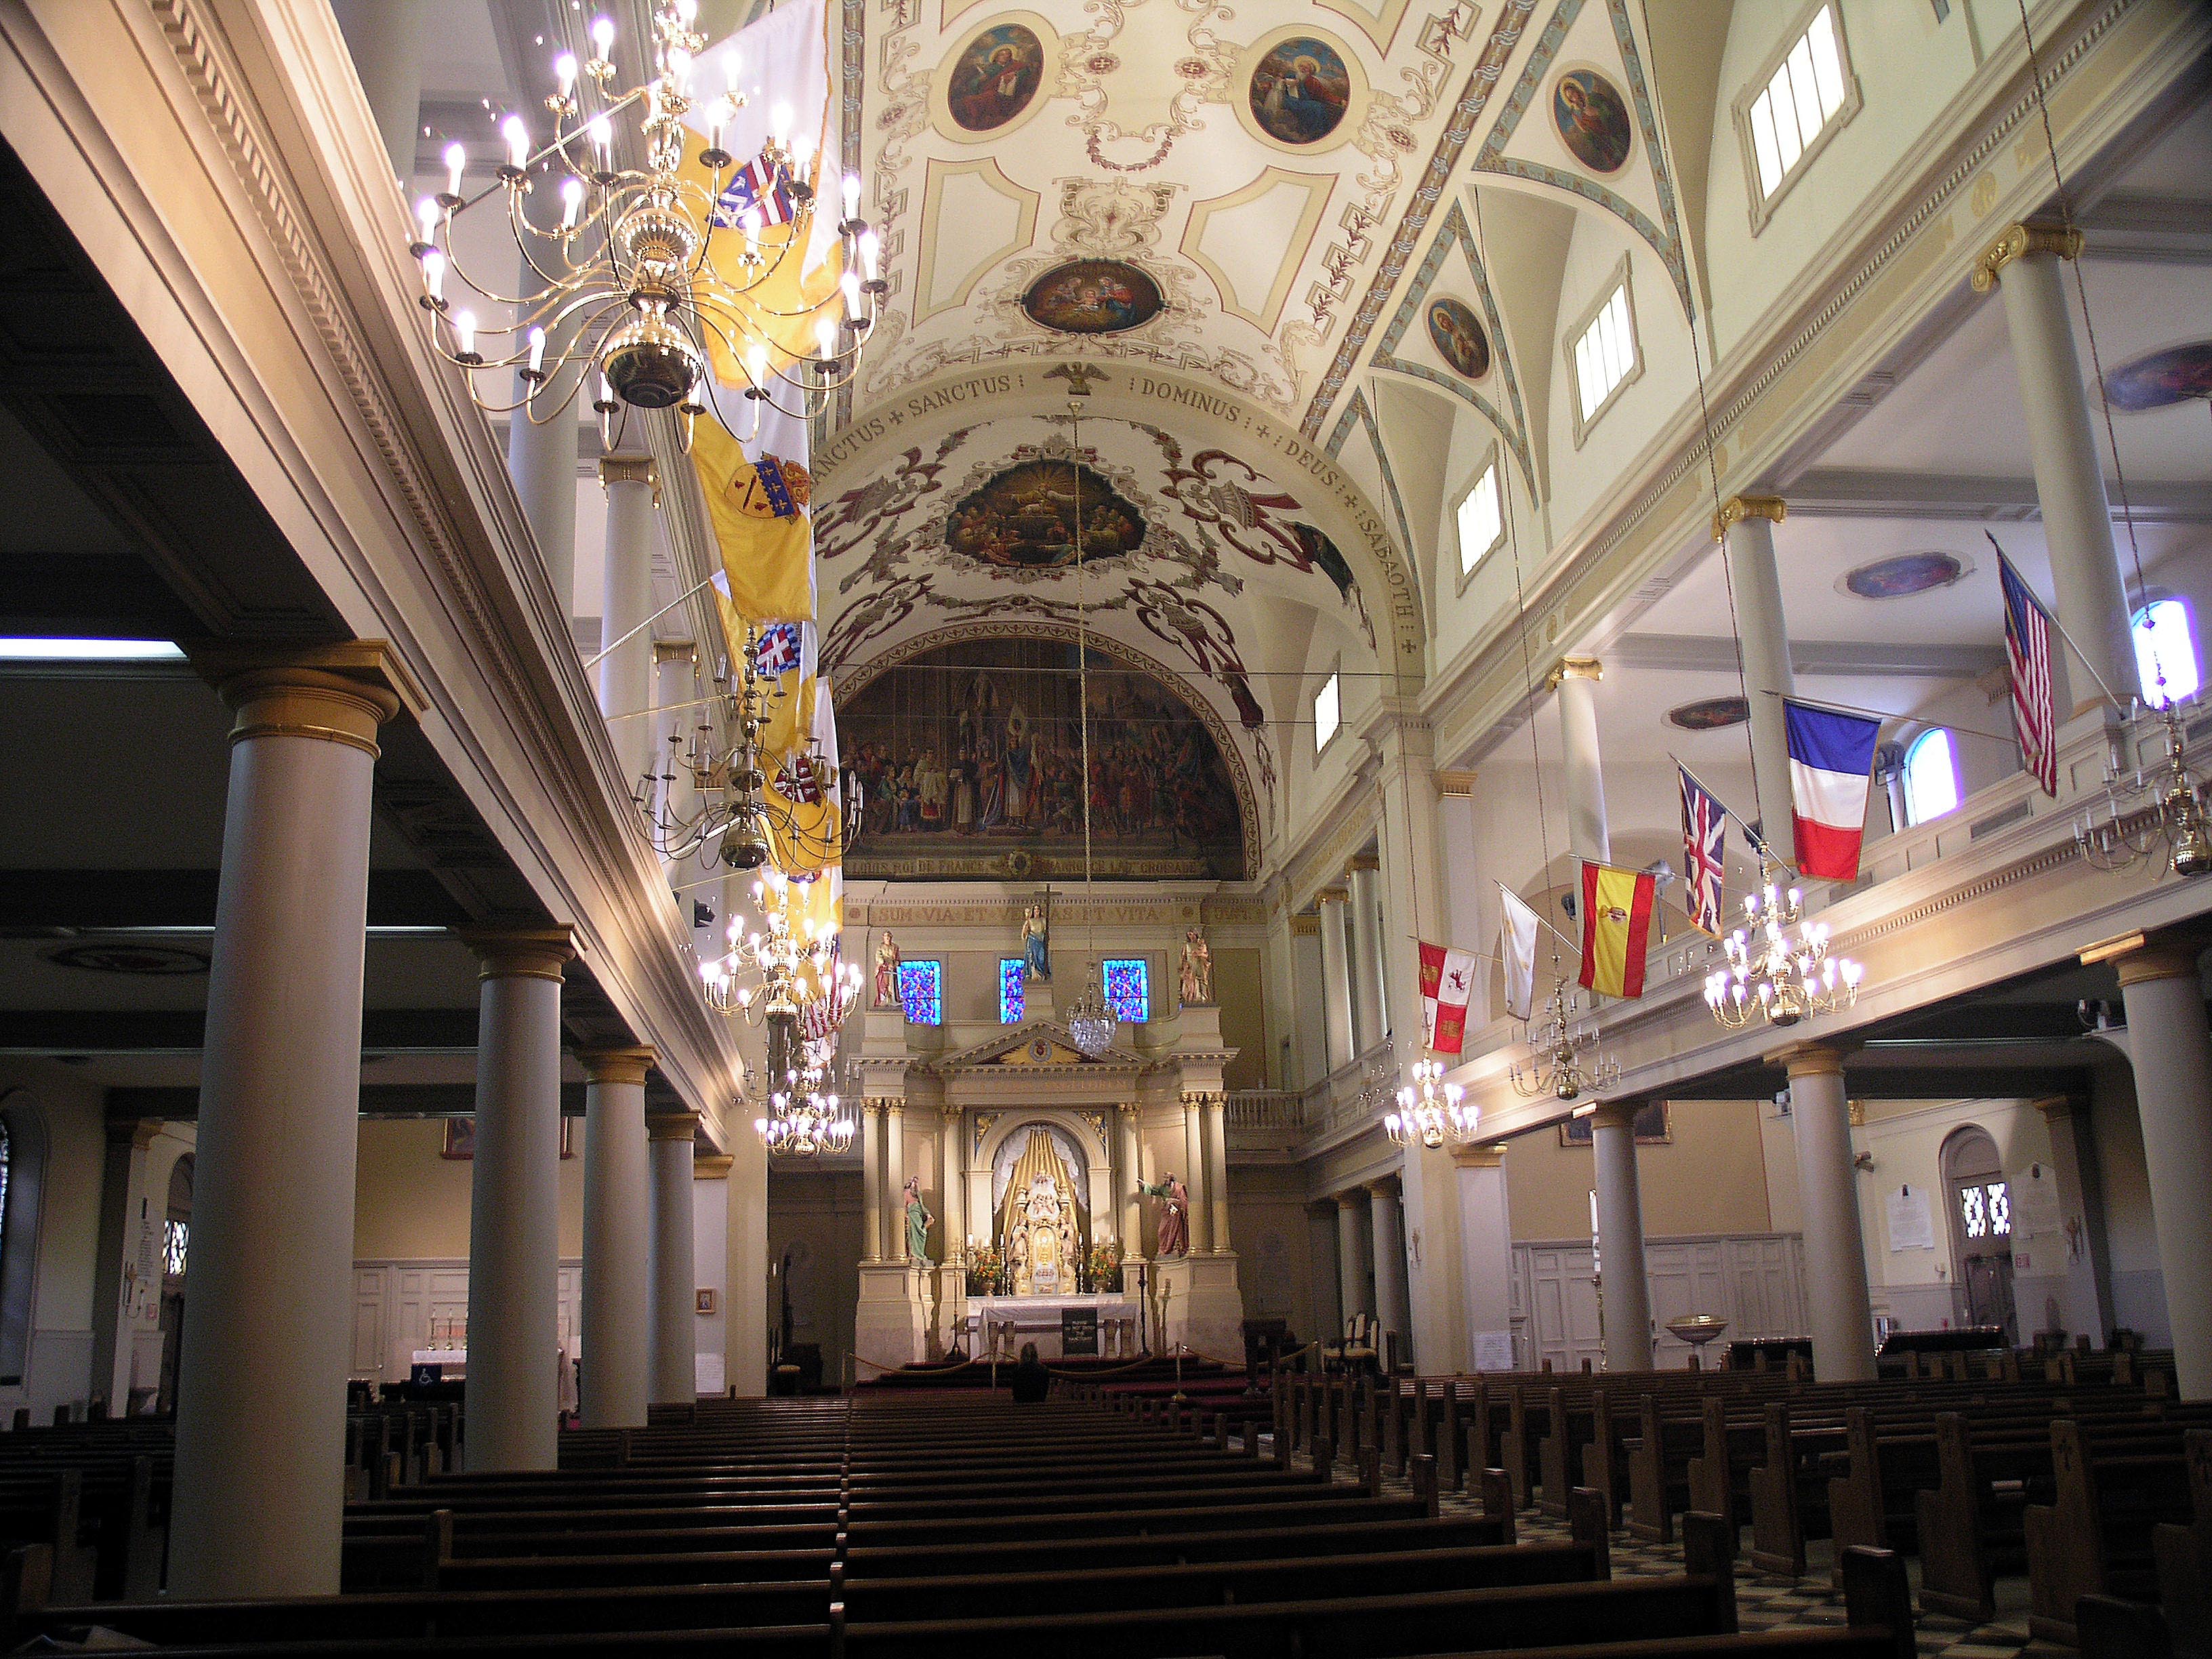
(176,1252)
(1981,1229)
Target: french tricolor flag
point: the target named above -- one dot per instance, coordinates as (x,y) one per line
(1831,764)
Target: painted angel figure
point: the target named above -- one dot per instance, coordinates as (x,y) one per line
(1175,1215)
(918,1219)
(887,967)
(1197,969)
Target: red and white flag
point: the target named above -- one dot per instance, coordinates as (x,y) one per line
(1447,982)
(2027,655)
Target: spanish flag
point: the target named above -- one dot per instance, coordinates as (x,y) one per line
(760,518)
(1617,907)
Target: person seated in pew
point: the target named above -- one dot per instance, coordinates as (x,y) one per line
(1032,1381)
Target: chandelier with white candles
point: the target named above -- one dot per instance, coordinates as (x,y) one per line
(2157,811)
(1556,1066)
(1773,974)
(646,275)
(1430,1110)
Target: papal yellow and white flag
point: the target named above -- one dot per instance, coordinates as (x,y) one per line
(759,512)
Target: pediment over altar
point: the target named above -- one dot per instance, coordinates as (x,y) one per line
(1035,1046)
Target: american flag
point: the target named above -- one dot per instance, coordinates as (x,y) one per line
(777,653)
(1705,851)
(758,186)
(2027,653)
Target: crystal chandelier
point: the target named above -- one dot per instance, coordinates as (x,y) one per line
(2160,809)
(1430,1110)
(784,964)
(1090,1017)
(650,273)
(1556,1067)
(1773,976)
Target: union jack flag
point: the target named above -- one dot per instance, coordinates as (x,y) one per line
(2027,655)
(757,187)
(1704,854)
(777,652)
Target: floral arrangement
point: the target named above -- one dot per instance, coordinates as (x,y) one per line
(986,1271)
(1104,1266)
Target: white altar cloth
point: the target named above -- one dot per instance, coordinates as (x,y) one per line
(1037,1319)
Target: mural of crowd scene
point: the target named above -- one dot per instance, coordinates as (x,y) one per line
(1024,516)
(971,753)
(1299,91)
(995,77)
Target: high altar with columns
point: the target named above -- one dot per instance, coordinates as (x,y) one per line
(1028,1098)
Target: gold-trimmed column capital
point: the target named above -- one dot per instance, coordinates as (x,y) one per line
(1305,926)
(1456,783)
(338,693)
(671,1126)
(1491,1156)
(615,1065)
(1617,1114)
(1128,1109)
(1381,1186)
(712,1166)
(2018,242)
(1349,1199)
(629,469)
(675,651)
(2140,957)
(1363,861)
(1808,1060)
(519,953)
(1332,895)
(1734,510)
(1574,668)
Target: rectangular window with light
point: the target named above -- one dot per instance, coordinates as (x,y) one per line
(1326,714)
(1807,93)
(1605,353)
(1481,521)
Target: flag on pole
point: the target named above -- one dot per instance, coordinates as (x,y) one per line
(759,512)
(2027,655)
(1517,953)
(1831,766)
(1705,852)
(1617,906)
(1447,981)
(757,188)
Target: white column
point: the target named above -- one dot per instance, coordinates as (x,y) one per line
(1575,681)
(871,1180)
(1620,1239)
(1355,1253)
(1323,1251)
(1370,1023)
(616,1238)
(894,1177)
(673,1136)
(626,671)
(2172,1053)
(950,1182)
(2088,594)
(676,684)
(1335,979)
(1746,525)
(541,453)
(1310,1028)
(1391,1311)
(385,38)
(1214,1123)
(746,1364)
(1195,1175)
(1486,1227)
(259,1475)
(1840,1309)
(512,1400)
(127,1212)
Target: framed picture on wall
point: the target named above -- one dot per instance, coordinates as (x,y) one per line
(461,1138)
(1651,1128)
(705,1300)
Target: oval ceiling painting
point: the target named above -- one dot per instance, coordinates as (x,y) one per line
(1458,337)
(1299,91)
(2174,375)
(1592,119)
(1905,575)
(1092,296)
(995,76)
(1710,715)
(1024,519)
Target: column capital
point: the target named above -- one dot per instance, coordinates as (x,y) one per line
(711,1166)
(1381,1186)
(1617,1114)
(1574,668)
(1205,1098)
(1349,1200)
(675,651)
(1734,510)
(1128,1109)
(1456,783)
(338,693)
(671,1126)
(949,1112)
(1333,896)
(1490,1156)
(2140,957)
(615,1065)
(139,1132)
(519,953)
(1359,861)
(1808,1060)
(629,469)
(2018,242)
(1305,926)
(882,1104)
(2057,1108)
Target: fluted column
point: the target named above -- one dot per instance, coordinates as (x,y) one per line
(1621,1238)
(259,1482)
(1128,1171)
(1575,683)
(1366,904)
(617,1238)
(1840,1310)
(1214,1124)
(1355,1252)
(1392,1308)
(674,1137)
(1746,525)
(1336,978)
(1195,1175)
(512,1400)
(871,1180)
(894,1177)
(2090,597)
(626,670)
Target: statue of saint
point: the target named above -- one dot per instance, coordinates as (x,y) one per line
(918,1218)
(1197,969)
(887,967)
(1175,1215)
(1036,943)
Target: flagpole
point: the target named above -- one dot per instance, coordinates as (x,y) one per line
(1766,853)
(1883,715)
(1573,944)
(593,662)
(2052,616)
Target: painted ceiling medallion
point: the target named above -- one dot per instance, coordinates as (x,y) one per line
(1592,118)
(995,76)
(1710,714)
(1092,296)
(1458,337)
(2177,375)
(156,960)
(1299,91)
(1905,575)
(1024,518)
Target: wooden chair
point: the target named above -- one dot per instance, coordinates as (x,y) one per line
(1358,1349)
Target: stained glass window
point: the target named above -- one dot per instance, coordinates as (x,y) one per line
(1972,1212)
(921,992)
(176,1244)
(1013,999)
(1129,989)
(1999,1209)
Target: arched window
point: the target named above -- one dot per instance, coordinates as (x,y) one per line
(2164,646)
(1931,776)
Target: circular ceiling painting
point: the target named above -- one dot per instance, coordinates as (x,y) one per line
(1592,119)
(1710,714)
(147,959)
(1024,519)
(1905,575)
(1458,337)
(1299,90)
(2174,375)
(1092,296)
(995,76)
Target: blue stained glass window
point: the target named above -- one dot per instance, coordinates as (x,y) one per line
(1129,989)
(921,992)
(1014,1000)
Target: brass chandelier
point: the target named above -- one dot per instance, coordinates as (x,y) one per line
(1556,1066)
(1430,1110)
(2158,810)
(1774,975)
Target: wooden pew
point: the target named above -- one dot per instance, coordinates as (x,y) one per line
(2095,1537)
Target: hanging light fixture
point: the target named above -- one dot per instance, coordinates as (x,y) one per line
(1773,976)
(2160,809)
(806,1116)
(1556,1067)
(648,272)
(1090,1017)
(1430,1110)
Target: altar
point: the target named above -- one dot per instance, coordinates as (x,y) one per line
(1003,1323)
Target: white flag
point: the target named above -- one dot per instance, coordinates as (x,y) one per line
(1516,951)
